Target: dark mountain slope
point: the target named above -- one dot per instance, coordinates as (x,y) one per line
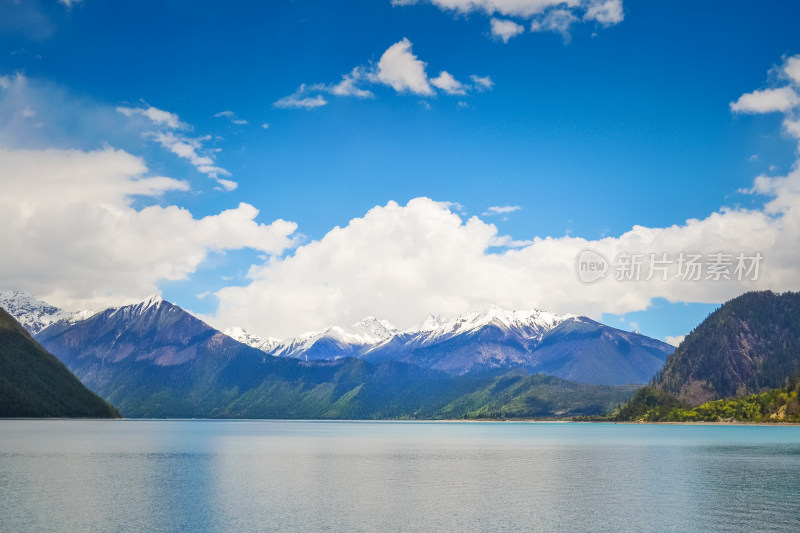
(749,345)
(33,383)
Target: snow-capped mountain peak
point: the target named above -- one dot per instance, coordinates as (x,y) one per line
(261,343)
(363,334)
(527,323)
(152,301)
(373,329)
(34,314)
(430,323)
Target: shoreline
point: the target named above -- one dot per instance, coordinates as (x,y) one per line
(447,421)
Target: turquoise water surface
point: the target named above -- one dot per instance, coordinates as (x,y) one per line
(203,475)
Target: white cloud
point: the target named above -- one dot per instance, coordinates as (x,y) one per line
(446,82)
(348,86)
(606,12)
(70,3)
(502,209)
(298,101)
(156,116)
(674,340)
(403,262)
(227,185)
(188,148)
(544,15)
(74,237)
(482,83)
(67,120)
(556,20)
(230,115)
(792,68)
(399,68)
(782,100)
(510,8)
(183,146)
(506,29)
(265,126)
(5,82)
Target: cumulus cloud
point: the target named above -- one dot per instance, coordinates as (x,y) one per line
(73,236)
(606,12)
(543,15)
(446,82)
(349,85)
(398,68)
(506,29)
(792,68)
(402,70)
(403,262)
(782,100)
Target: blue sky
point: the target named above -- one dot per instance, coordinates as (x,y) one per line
(608,124)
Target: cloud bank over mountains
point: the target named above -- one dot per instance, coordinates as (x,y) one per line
(92,226)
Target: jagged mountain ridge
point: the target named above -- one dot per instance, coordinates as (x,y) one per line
(34,314)
(265,344)
(153,359)
(567,346)
(336,342)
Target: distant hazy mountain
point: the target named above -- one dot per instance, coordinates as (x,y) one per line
(574,348)
(750,344)
(33,314)
(33,383)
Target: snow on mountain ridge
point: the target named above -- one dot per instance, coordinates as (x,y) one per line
(34,314)
(264,344)
(366,332)
(532,322)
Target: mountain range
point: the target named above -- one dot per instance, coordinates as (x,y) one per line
(153,358)
(570,347)
(35,315)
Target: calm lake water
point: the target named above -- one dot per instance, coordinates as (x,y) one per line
(198,475)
